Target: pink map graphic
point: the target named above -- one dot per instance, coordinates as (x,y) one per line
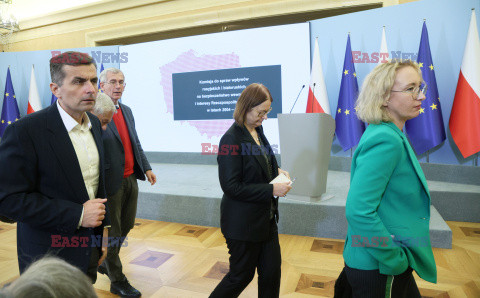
(188,62)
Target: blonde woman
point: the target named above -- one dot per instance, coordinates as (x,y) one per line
(388,204)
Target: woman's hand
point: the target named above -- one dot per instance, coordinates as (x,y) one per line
(281,189)
(280,171)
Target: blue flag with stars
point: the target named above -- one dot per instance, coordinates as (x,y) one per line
(349,128)
(10,111)
(426,130)
(54,99)
(101,69)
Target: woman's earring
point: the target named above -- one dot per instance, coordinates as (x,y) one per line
(385,103)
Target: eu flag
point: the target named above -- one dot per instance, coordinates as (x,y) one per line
(349,128)
(54,99)
(101,69)
(426,130)
(10,111)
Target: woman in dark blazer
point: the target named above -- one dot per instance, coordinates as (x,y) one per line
(249,208)
(388,204)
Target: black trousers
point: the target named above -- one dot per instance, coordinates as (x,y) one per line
(93,264)
(122,207)
(247,256)
(372,284)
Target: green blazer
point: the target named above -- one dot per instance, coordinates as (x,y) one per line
(388,207)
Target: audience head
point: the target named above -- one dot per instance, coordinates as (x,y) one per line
(50,277)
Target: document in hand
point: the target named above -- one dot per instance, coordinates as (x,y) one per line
(281,178)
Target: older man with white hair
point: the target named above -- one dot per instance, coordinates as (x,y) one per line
(125,162)
(104,109)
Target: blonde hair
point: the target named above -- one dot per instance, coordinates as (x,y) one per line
(376,91)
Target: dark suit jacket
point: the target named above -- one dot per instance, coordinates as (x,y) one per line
(42,187)
(115,154)
(244,178)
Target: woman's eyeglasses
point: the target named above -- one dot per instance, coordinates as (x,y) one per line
(415,91)
(263,113)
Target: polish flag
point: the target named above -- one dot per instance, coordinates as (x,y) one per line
(465,116)
(383,55)
(34,104)
(317,94)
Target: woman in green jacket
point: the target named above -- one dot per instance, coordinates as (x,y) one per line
(388,204)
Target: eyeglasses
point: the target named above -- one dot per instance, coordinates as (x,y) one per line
(414,91)
(264,113)
(114,83)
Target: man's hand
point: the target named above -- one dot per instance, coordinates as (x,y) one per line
(104,246)
(151,177)
(93,213)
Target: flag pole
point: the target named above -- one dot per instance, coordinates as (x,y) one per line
(475,160)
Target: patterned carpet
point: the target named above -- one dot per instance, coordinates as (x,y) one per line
(164,259)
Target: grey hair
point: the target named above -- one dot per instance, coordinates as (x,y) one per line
(103,104)
(103,74)
(51,277)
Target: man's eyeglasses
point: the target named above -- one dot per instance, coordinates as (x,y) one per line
(264,113)
(114,83)
(414,91)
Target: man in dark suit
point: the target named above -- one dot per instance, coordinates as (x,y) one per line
(125,163)
(52,172)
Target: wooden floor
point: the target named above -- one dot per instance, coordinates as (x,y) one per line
(165,259)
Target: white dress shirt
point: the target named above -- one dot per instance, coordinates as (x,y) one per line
(85,149)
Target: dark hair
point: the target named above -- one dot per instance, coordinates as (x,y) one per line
(67,58)
(252,96)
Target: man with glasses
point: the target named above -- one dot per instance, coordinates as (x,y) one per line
(125,162)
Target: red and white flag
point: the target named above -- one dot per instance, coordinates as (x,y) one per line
(464,120)
(383,54)
(34,104)
(317,94)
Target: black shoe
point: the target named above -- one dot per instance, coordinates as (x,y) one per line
(102,270)
(124,289)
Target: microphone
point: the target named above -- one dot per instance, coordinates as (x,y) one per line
(297,98)
(313,94)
